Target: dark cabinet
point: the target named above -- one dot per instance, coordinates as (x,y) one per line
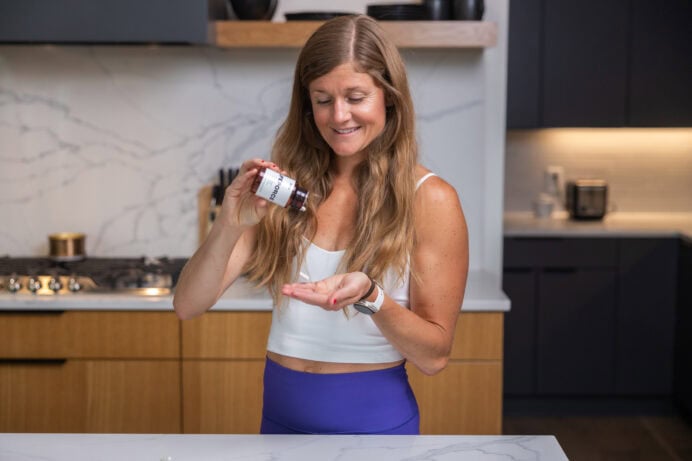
(575,323)
(100,21)
(661,63)
(590,316)
(683,331)
(600,63)
(646,316)
(520,331)
(524,64)
(584,63)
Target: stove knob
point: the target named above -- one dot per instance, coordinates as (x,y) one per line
(34,284)
(55,284)
(13,285)
(73,285)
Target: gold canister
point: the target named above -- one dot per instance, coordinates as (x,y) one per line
(67,246)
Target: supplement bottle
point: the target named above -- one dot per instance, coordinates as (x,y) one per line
(279,189)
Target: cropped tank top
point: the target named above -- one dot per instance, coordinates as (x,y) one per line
(309,332)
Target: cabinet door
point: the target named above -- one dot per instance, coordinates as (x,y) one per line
(223,366)
(683,330)
(520,332)
(222,396)
(135,396)
(661,63)
(89,334)
(576,321)
(584,63)
(646,316)
(523,64)
(465,398)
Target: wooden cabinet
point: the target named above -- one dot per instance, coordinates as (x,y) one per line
(223,363)
(223,357)
(599,63)
(466,397)
(590,316)
(89,372)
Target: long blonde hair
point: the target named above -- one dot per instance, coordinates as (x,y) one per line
(383,237)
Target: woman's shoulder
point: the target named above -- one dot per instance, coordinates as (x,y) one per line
(431,187)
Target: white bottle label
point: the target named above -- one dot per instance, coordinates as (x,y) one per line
(275,187)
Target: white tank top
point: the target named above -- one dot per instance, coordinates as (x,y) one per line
(309,332)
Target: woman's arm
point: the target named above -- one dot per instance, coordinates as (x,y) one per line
(218,262)
(423,334)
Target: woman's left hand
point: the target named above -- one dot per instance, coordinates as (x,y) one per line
(332,293)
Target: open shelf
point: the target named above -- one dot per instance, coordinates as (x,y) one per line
(406,34)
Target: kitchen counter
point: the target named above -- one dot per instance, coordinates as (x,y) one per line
(105,447)
(525,224)
(483,293)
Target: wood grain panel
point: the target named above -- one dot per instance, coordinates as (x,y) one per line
(465,398)
(42,397)
(405,34)
(222,396)
(90,396)
(133,396)
(83,334)
(478,336)
(226,335)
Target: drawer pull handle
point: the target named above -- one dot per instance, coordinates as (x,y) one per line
(45,362)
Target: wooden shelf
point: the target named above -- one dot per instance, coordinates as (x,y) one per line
(406,34)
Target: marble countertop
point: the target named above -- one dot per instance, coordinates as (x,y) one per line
(525,224)
(152,447)
(483,293)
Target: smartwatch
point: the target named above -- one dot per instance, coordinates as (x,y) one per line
(366,307)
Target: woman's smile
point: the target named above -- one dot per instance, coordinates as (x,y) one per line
(349,109)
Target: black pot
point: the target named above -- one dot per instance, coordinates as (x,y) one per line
(468,10)
(439,10)
(258,10)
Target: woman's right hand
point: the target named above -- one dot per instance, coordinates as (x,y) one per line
(242,208)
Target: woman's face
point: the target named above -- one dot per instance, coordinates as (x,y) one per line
(349,109)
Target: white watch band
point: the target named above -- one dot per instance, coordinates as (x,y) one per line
(369,308)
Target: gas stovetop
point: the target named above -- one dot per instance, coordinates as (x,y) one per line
(43,276)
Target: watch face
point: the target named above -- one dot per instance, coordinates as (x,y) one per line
(363,308)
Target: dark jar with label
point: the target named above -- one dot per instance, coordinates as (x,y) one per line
(279,189)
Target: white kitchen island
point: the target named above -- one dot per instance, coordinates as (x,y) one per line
(152,447)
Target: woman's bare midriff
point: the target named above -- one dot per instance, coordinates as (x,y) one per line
(315,366)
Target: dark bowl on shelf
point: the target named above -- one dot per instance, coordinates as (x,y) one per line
(314,15)
(397,12)
(258,10)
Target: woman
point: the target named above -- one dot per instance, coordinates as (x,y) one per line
(372,274)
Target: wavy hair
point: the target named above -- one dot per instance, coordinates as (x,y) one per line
(383,237)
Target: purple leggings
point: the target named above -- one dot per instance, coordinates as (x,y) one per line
(369,402)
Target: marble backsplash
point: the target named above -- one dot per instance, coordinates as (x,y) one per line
(116,141)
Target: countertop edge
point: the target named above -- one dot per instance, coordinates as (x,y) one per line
(483,293)
(617,225)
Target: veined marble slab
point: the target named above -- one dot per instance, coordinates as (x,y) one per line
(483,293)
(116,142)
(107,447)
